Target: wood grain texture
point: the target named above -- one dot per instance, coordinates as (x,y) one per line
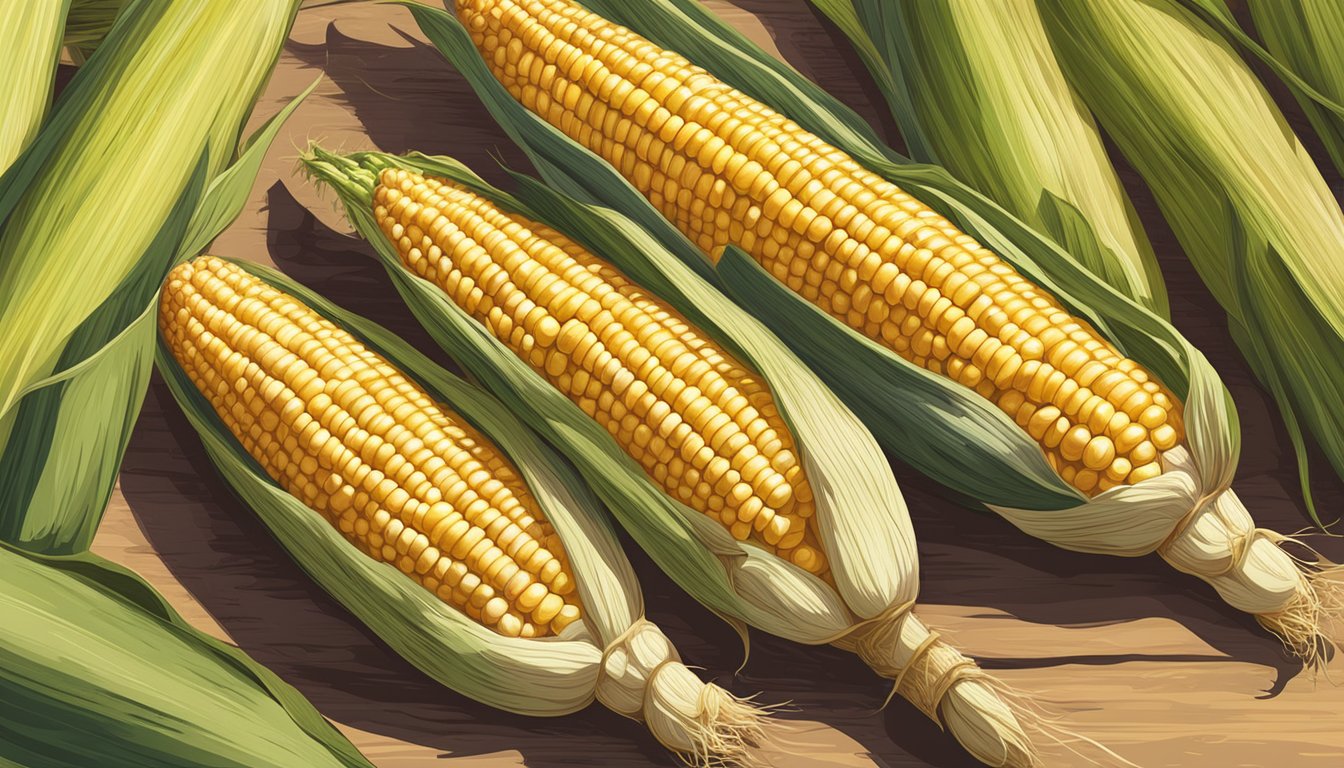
(1125,650)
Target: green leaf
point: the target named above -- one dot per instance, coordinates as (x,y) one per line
(68,431)
(88,24)
(30,49)
(1300,41)
(97,668)
(131,170)
(229,191)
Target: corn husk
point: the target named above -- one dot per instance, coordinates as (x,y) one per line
(1305,35)
(97,669)
(87,25)
(612,654)
(1189,515)
(1299,41)
(863,521)
(30,47)
(1003,119)
(135,168)
(1249,206)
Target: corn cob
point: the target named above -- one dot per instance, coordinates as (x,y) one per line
(401,497)
(405,481)
(727,170)
(888,269)
(699,423)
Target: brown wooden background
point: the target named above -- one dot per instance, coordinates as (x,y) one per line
(1126,650)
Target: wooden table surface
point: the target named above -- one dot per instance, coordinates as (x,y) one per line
(1127,651)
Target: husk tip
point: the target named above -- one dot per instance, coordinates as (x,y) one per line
(1310,627)
(1005,728)
(726,731)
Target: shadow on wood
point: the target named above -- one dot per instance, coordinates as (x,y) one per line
(410,99)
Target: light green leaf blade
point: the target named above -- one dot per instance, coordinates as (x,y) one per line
(1300,42)
(30,49)
(97,668)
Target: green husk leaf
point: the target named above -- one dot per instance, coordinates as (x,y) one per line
(915,401)
(97,668)
(1019,478)
(30,48)
(864,523)
(229,191)
(1211,139)
(78,273)
(88,24)
(1300,37)
(1003,119)
(538,677)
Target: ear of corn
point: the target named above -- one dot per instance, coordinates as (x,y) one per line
(87,645)
(1269,257)
(427,510)
(1004,119)
(636,309)
(158,139)
(30,47)
(1186,512)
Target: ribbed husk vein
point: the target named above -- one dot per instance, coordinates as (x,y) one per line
(87,25)
(30,47)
